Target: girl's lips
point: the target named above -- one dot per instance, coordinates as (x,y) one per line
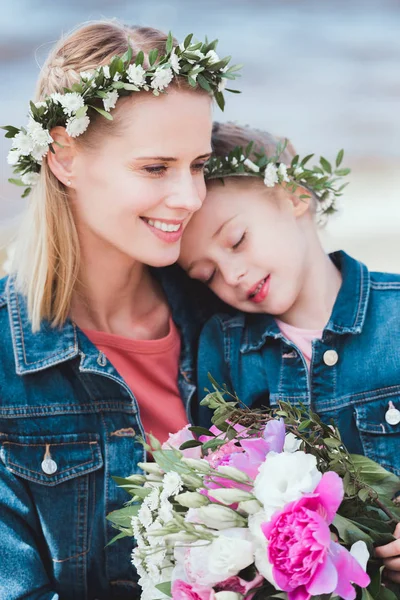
(170,237)
(263,291)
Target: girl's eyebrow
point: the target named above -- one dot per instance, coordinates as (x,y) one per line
(169,158)
(222,226)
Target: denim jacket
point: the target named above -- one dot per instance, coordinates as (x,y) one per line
(68,422)
(355,367)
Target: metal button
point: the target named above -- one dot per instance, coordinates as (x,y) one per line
(392,415)
(102,359)
(49,466)
(331,357)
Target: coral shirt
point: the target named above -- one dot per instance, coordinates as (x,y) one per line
(150,368)
(302,338)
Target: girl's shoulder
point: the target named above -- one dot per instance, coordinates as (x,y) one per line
(382,281)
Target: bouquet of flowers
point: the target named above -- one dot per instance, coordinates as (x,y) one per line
(264,505)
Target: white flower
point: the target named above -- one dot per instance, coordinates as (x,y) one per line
(175,62)
(191,500)
(13,157)
(227,596)
(234,162)
(136,75)
(106,71)
(285,477)
(230,495)
(292,443)
(86,75)
(227,556)
(260,544)
(23,143)
(30,178)
(56,97)
(360,552)
(165,511)
(172,484)
(250,507)
(271,175)
(71,102)
(153,499)
(327,202)
(250,165)
(218,517)
(282,172)
(145,515)
(298,171)
(161,78)
(39,152)
(111,100)
(222,84)
(212,57)
(39,135)
(77,126)
(233,473)
(40,104)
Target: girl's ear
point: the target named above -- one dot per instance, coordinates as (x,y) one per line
(301,200)
(61,160)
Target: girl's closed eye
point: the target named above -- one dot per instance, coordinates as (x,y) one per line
(240,241)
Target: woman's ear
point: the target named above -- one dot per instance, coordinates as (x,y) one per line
(61,160)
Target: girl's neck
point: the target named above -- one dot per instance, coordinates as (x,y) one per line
(117,295)
(319,289)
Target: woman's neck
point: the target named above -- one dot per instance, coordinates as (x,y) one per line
(117,295)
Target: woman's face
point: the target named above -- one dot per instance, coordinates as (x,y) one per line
(136,190)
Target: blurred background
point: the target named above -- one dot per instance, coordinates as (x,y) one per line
(325,73)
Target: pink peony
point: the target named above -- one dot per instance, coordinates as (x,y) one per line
(306,562)
(236,584)
(185,591)
(176,440)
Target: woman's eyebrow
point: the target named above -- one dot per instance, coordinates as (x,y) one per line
(169,158)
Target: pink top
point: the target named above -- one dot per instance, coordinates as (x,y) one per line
(150,368)
(302,338)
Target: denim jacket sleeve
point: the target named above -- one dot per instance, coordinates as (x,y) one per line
(20,536)
(211,360)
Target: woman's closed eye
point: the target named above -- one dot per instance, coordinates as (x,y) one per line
(160,170)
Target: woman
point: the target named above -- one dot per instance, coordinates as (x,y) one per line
(92,356)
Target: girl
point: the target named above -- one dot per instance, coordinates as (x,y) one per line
(94,350)
(307,328)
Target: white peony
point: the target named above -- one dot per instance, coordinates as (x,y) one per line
(136,75)
(285,477)
(71,102)
(23,143)
(111,100)
(271,175)
(30,178)
(175,62)
(77,126)
(161,78)
(228,556)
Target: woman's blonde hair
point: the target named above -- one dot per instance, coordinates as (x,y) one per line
(47,258)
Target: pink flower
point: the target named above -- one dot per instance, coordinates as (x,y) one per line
(185,591)
(176,440)
(306,562)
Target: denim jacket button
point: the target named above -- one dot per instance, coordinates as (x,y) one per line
(49,466)
(330,358)
(392,415)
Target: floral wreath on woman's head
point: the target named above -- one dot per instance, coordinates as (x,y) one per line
(323,181)
(197,62)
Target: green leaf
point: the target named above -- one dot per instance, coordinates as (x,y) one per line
(26,192)
(139,58)
(326,165)
(187,40)
(102,112)
(123,516)
(192,81)
(201,431)
(190,444)
(374,475)
(118,85)
(349,532)
(203,83)
(386,594)
(342,172)
(339,158)
(170,460)
(306,159)
(127,57)
(232,91)
(153,56)
(220,100)
(17,182)
(170,43)
(11,131)
(131,87)
(81,112)
(119,536)
(366,595)
(165,588)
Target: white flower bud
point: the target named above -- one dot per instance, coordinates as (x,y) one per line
(250,507)
(233,473)
(152,468)
(199,464)
(192,481)
(192,500)
(251,165)
(220,517)
(181,536)
(230,495)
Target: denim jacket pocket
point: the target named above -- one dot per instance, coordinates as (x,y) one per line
(59,472)
(380,440)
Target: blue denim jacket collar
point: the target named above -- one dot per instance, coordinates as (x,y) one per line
(348,315)
(50,346)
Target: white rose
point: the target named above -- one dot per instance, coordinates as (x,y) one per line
(285,477)
(161,78)
(76,126)
(71,102)
(111,100)
(136,75)
(271,175)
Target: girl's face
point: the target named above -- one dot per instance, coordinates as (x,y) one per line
(249,245)
(135,191)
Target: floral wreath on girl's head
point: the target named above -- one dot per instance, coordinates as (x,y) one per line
(99,91)
(323,181)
